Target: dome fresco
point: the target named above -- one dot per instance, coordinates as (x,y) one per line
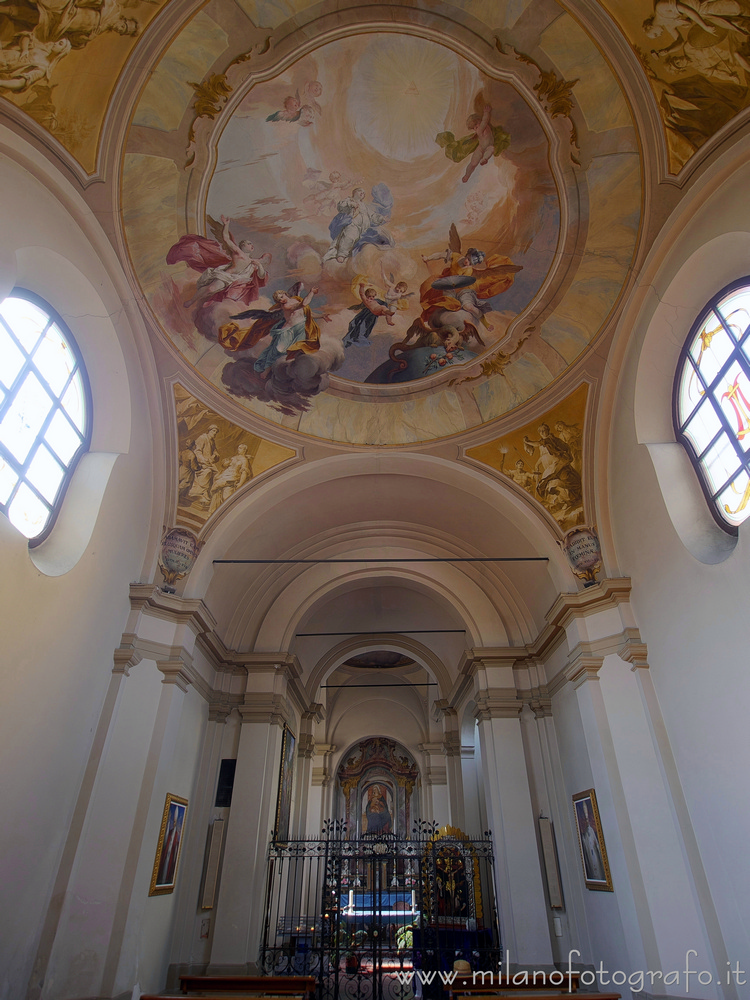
(387,237)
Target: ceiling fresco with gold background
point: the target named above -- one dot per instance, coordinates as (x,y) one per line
(380,225)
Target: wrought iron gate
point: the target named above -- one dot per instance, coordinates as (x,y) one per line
(372,918)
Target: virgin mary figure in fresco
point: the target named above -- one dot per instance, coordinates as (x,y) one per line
(377,815)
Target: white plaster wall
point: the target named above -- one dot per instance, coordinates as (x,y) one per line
(59,632)
(693,616)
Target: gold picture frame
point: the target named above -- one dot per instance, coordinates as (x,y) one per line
(594,859)
(169,846)
(286,782)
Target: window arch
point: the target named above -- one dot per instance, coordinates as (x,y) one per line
(711,403)
(45,412)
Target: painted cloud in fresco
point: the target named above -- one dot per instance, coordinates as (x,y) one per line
(410,191)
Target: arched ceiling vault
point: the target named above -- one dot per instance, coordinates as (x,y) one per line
(365,228)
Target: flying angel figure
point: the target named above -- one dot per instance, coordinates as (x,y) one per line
(227,268)
(465,284)
(484,141)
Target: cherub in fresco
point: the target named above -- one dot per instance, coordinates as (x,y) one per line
(326,194)
(372,307)
(519,473)
(484,141)
(396,293)
(227,268)
(312,91)
(290,111)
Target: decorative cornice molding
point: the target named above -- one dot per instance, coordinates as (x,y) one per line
(306,746)
(125,656)
(268,709)
(179,610)
(602,596)
(497,703)
(177,671)
(221,708)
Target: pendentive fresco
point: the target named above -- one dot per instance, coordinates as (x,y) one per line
(392,238)
(216,459)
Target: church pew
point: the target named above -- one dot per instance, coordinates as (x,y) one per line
(276,986)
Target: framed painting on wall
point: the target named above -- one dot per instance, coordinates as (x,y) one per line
(286,779)
(377,808)
(169,846)
(596,871)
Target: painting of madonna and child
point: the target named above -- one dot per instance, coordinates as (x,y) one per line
(380,212)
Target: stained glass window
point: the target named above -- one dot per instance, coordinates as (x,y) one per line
(711,403)
(45,412)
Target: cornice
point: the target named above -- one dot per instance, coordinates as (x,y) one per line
(178,610)
(270,709)
(603,596)
(497,703)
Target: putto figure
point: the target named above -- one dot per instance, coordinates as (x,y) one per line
(484,141)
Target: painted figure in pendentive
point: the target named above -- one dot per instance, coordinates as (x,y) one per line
(189,466)
(484,141)
(289,324)
(207,456)
(237,471)
(558,484)
(228,269)
(30,61)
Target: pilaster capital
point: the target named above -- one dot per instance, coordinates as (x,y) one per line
(268,709)
(634,652)
(315,712)
(177,670)
(436,776)
(220,710)
(583,666)
(474,660)
(452,745)
(497,703)
(306,746)
(539,701)
(126,656)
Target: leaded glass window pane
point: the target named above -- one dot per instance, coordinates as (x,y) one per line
(712,402)
(44,412)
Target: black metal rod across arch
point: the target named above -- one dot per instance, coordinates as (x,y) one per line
(379,917)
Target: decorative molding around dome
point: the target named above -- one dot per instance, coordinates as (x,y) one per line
(385,227)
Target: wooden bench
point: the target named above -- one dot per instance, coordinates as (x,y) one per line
(463,984)
(274,986)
